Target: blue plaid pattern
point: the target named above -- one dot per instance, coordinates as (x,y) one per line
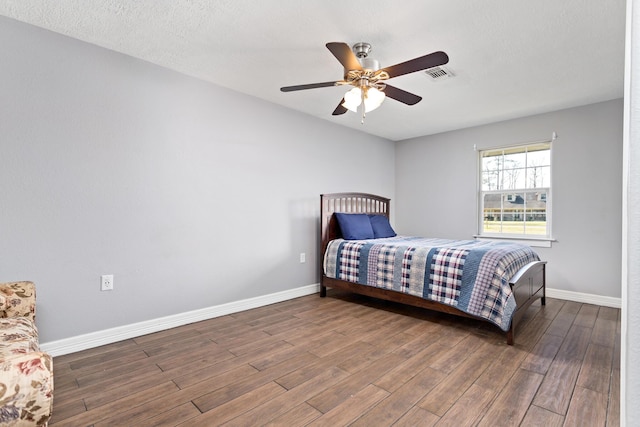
(385,267)
(405,283)
(350,262)
(445,275)
(485,285)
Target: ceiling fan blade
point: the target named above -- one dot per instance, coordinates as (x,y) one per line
(422,63)
(345,55)
(401,95)
(309,86)
(340,109)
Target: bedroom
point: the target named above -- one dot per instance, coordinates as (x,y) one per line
(96,184)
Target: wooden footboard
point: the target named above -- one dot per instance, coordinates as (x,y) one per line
(528,284)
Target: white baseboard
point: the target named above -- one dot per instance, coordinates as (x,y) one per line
(108,336)
(584,298)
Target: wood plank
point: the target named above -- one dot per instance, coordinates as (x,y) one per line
(539,417)
(135,385)
(540,357)
(417,416)
(238,406)
(587,407)
(419,343)
(512,403)
(239,387)
(300,415)
(575,344)
(352,408)
(106,382)
(613,408)
(356,363)
(260,347)
(264,361)
(448,361)
(393,407)
(331,397)
(172,417)
(238,337)
(587,315)
(221,373)
(288,400)
(117,407)
(529,333)
(596,369)
(556,389)
(564,319)
(444,395)
(68,409)
(301,374)
(571,307)
(469,408)
(193,360)
(106,376)
(329,345)
(108,360)
(399,375)
(187,339)
(552,307)
(163,402)
(504,365)
(604,330)
(119,346)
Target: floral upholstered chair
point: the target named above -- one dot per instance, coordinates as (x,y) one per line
(26,373)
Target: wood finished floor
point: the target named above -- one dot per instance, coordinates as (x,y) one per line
(351,360)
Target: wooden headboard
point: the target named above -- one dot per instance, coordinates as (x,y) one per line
(350,203)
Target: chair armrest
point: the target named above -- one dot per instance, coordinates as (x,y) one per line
(18,299)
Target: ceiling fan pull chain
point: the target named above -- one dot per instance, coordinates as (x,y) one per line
(362,94)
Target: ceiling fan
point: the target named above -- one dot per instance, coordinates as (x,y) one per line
(368,79)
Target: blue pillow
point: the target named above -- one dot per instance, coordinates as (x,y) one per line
(381,227)
(354,226)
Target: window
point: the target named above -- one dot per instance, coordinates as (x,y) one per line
(515,189)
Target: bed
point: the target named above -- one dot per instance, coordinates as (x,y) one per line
(490,281)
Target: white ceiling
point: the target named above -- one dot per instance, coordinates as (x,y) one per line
(511,58)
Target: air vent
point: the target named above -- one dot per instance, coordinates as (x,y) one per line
(439,73)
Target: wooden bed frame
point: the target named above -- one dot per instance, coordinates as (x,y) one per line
(528,284)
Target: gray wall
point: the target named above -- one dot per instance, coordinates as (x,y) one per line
(436,189)
(111,165)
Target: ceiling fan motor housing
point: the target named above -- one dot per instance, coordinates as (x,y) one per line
(362,50)
(369,64)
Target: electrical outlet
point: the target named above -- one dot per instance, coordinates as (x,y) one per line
(106,282)
(303,257)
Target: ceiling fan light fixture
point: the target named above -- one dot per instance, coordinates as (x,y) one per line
(373,99)
(352,99)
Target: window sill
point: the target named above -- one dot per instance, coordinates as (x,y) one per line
(538,242)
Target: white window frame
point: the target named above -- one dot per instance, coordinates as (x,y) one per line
(529,239)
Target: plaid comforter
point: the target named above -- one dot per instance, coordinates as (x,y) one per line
(470,275)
